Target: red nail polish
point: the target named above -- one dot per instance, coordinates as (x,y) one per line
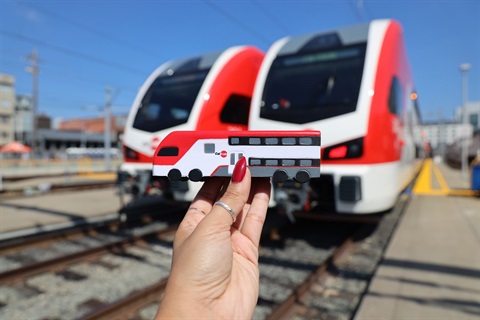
(239,170)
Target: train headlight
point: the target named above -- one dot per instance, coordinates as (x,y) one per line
(130,154)
(346,150)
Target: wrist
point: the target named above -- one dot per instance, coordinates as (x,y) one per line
(175,305)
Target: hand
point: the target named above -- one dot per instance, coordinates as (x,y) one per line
(215,263)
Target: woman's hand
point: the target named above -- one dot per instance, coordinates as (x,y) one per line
(215,262)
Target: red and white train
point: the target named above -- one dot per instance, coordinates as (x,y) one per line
(355,85)
(207,92)
(281,155)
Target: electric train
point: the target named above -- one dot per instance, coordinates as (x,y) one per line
(354,84)
(281,155)
(208,92)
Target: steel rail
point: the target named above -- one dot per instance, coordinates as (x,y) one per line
(286,310)
(128,307)
(16,275)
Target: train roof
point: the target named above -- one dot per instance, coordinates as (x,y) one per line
(330,38)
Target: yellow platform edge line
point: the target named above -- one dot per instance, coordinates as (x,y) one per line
(464,193)
(423,185)
(440,178)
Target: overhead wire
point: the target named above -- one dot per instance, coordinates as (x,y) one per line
(96,32)
(71,52)
(272,18)
(240,23)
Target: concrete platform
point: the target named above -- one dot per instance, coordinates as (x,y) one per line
(46,182)
(431,269)
(44,213)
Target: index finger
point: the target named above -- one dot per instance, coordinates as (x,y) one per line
(201,205)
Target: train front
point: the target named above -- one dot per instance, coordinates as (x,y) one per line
(212,91)
(339,82)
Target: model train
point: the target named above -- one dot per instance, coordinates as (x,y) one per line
(208,92)
(355,85)
(281,155)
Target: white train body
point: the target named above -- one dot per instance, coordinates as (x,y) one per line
(354,84)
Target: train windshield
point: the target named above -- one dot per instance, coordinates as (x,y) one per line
(169,101)
(312,86)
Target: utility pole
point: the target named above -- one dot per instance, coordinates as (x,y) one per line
(34,70)
(107,138)
(464,68)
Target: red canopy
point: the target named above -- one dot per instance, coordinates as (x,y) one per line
(15,147)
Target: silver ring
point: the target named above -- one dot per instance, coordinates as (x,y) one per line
(227,207)
(196,209)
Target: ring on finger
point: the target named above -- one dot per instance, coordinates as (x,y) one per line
(227,207)
(196,209)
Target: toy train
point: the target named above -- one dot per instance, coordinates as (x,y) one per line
(196,155)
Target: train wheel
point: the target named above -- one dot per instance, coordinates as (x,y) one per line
(302,176)
(280,176)
(174,175)
(195,175)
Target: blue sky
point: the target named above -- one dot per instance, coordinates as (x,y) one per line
(88,45)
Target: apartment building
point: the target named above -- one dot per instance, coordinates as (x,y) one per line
(7,107)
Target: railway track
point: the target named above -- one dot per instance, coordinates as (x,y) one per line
(311,270)
(335,288)
(55,188)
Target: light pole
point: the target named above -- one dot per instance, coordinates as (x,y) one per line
(463,69)
(33,69)
(107,138)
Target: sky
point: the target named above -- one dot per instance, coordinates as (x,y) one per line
(86,46)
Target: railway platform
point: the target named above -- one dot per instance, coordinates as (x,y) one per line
(36,210)
(431,268)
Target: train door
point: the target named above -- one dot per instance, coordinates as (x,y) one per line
(234,157)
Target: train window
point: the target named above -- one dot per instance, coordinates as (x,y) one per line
(288,141)
(169,101)
(275,141)
(271,162)
(254,141)
(288,162)
(255,162)
(306,163)
(209,148)
(168,151)
(236,110)
(312,86)
(395,99)
(232,159)
(306,141)
(271,141)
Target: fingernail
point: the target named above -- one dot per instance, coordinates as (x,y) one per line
(239,170)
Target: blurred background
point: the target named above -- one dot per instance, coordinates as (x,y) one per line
(87,230)
(61,63)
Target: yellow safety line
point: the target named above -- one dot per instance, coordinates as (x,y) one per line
(423,185)
(440,178)
(99,175)
(464,193)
